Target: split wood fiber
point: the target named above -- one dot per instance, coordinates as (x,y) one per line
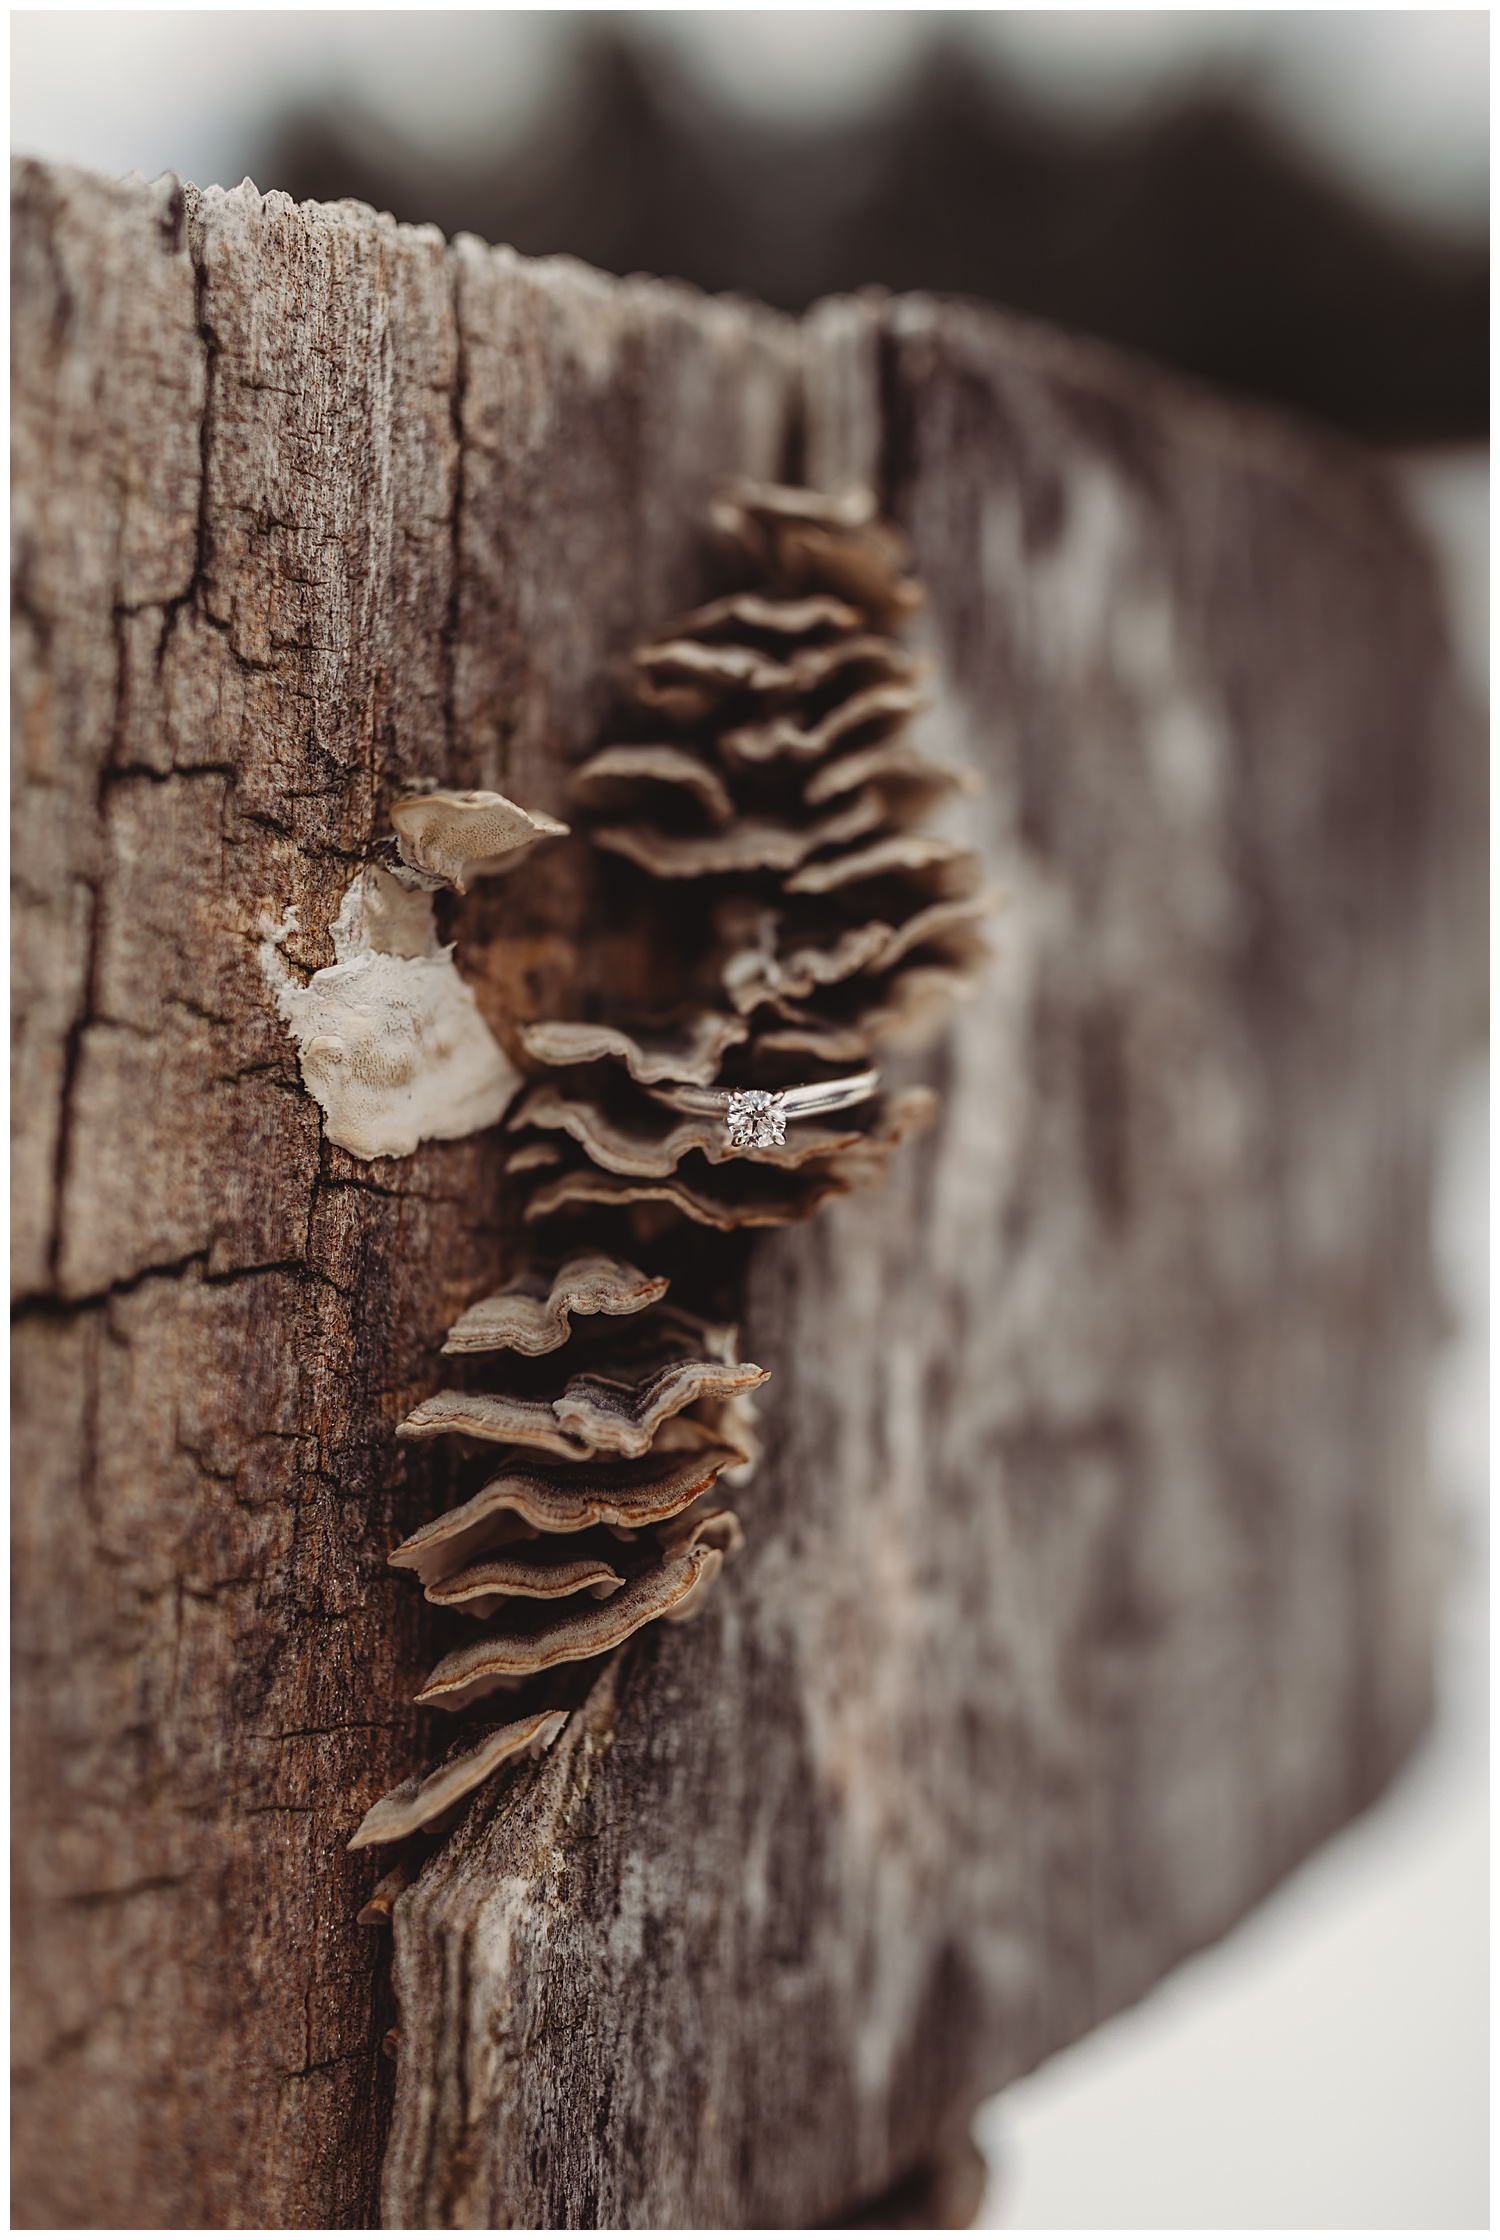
(1089,1581)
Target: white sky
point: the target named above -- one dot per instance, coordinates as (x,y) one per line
(1396,98)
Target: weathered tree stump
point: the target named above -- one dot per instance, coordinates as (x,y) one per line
(1087,1580)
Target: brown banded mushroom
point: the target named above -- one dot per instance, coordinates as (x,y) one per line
(749,844)
(714,1552)
(735,1202)
(533,1312)
(616,776)
(881,708)
(766,503)
(943,868)
(903,774)
(593,1413)
(499,1416)
(480,1588)
(455,837)
(910,1003)
(746,614)
(503,1659)
(702,1527)
(692,1050)
(375,1913)
(799,541)
(832,926)
(869,660)
(427,1798)
(527,1156)
(734,1423)
(541,1499)
(771,910)
(765,964)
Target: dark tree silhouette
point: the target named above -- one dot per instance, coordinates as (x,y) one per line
(1197,236)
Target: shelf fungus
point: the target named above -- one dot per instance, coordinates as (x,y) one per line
(390,1040)
(424,1801)
(533,1312)
(526,1499)
(768,914)
(456,837)
(594,1413)
(763,793)
(663,1589)
(617,1425)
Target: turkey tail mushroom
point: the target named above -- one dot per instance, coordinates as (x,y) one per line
(770,791)
(775,916)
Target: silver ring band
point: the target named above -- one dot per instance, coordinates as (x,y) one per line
(757,1118)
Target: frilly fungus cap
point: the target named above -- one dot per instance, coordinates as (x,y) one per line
(758,810)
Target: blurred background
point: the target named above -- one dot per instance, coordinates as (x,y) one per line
(1290,204)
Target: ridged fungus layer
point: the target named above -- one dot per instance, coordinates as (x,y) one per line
(758,808)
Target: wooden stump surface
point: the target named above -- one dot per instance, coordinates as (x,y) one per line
(1088,1578)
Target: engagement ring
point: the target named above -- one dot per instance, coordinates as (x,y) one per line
(757,1118)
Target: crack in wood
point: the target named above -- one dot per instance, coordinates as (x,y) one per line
(1003,1714)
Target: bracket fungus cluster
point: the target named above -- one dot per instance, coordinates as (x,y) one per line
(766,913)
(763,804)
(598,1514)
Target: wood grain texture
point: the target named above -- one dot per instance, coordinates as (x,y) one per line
(1086,1584)
(272,561)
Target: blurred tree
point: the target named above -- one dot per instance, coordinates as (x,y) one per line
(1198,236)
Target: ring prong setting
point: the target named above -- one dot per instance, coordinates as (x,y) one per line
(756,1119)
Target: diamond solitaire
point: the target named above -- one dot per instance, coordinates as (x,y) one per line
(756,1118)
